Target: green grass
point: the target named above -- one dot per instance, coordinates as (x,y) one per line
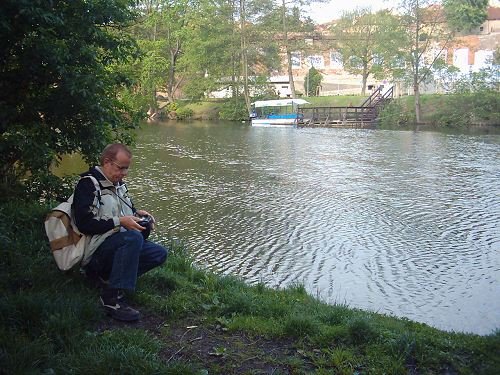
(51,323)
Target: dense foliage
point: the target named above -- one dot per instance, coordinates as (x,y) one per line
(465,14)
(192,48)
(57,84)
(234,110)
(471,99)
(474,100)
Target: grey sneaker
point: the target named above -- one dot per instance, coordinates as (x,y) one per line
(115,306)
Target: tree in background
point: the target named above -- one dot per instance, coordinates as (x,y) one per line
(254,46)
(231,49)
(290,19)
(194,48)
(160,34)
(425,35)
(465,14)
(236,46)
(57,85)
(209,56)
(364,41)
(312,82)
(428,30)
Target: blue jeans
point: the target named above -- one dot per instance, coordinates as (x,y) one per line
(123,257)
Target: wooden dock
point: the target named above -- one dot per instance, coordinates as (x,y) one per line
(364,116)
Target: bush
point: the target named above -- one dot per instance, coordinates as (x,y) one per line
(455,113)
(396,115)
(464,109)
(475,100)
(301,325)
(361,330)
(234,110)
(172,107)
(184,113)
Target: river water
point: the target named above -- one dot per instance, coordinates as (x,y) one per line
(398,222)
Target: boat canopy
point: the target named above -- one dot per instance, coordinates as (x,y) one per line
(279,103)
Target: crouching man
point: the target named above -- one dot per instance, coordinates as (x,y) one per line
(118,251)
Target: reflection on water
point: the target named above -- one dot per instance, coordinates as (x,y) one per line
(403,223)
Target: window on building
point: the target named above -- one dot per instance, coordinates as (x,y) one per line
(296,60)
(461,59)
(336,60)
(316,61)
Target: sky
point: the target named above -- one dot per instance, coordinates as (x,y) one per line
(324,12)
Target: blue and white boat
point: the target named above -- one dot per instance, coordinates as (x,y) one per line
(282,112)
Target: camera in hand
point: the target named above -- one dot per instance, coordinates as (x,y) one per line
(146,222)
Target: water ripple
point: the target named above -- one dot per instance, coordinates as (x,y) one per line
(404,223)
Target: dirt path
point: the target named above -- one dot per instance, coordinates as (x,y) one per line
(214,348)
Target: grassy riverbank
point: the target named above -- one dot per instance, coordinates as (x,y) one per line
(438,111)
(210,110)
(196,322)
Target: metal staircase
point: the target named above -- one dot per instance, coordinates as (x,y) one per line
(361,116)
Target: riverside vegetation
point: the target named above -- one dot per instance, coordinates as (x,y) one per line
(197,322)
(438,110)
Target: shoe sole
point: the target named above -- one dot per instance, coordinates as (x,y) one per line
(111,313)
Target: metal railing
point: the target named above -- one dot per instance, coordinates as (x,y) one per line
(366,114)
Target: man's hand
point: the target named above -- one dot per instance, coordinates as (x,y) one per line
(130,222)
(146,213)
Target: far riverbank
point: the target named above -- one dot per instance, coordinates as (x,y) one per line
(400,114)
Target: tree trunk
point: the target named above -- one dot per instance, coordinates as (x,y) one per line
(171,73)
(244,58)
(288,52)
(290,73)
(416,92)
(365,79)
(234,58)
(153,105)
(416,75)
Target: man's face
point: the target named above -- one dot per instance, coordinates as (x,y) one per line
(116,170)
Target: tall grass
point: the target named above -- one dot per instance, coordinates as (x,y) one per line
(49,317)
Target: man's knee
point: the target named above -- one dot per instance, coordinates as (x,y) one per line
(134,238)
(162,255)
(152,256)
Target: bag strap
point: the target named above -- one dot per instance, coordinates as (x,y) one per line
(98,193)
(94,180)
(124,201)
(97,187)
